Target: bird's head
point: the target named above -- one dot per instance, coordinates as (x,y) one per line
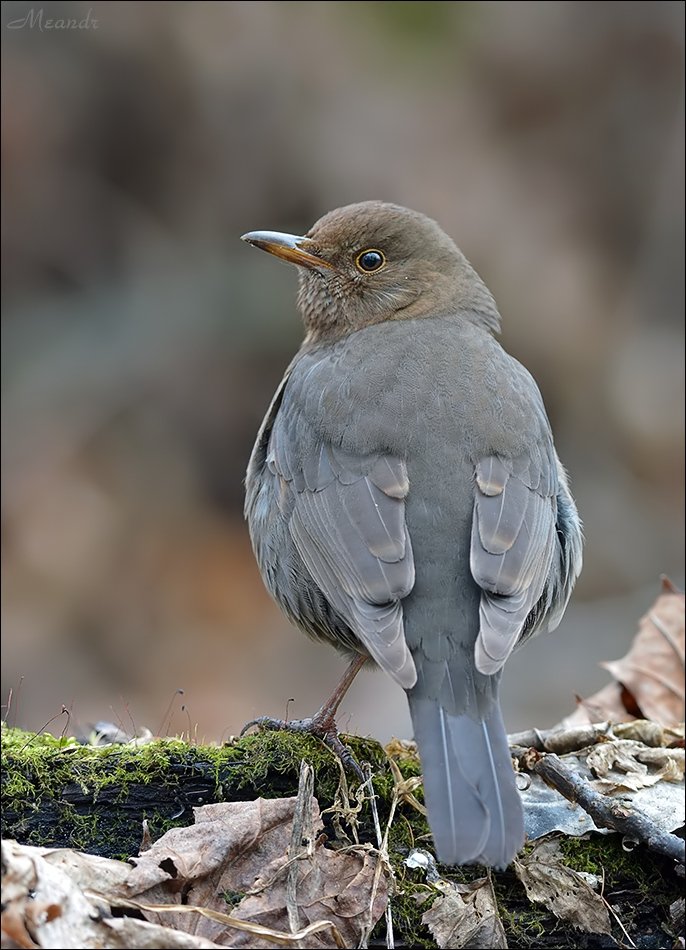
(371,262)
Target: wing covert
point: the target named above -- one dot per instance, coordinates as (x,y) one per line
(347,521)
(512,547)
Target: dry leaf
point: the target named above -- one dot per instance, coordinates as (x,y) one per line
(89,871)
(467,917)
(332,885)
(44,907)
(239,847)
(650,678)
(650,733)
(634,781)
(632,759)
(401,748)
(122,933)
(240,837)
(605,705)
(619,754)
(561,890)
(669,760)
(653,670)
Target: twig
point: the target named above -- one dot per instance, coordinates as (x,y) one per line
(561,741)
(382,844)
(301,841)
(247,926)
(617,919)
(605,812)
(342,810)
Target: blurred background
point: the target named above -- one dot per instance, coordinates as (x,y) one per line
(142,340)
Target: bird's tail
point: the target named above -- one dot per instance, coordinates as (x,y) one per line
(475,812)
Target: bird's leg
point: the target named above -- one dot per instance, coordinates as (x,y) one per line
(323,723)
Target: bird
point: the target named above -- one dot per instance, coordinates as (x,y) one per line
(406,504)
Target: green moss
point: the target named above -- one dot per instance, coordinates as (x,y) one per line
(56,792)
(604,856)
(524,928)
(232,898)
(408,905)
(59,793)
(17,740)
(645,882)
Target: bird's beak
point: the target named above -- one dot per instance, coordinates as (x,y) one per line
(289,247)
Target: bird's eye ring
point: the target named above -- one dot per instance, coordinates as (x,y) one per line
(370,260)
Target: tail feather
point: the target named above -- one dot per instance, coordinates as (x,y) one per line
(475,811)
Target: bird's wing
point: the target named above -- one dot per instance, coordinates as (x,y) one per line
(347,521)
(512,547)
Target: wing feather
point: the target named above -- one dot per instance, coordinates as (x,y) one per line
(347,522)
(512,548)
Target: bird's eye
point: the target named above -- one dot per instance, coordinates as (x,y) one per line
(370,260)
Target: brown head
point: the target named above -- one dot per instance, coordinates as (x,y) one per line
(370,262)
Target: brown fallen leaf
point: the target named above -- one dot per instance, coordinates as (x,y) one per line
(237,853)
(45,908)
(467,917)
(653,670)
(612,703)
(15,936)
(649,680)
(122,933)
(563,891)
(88,871)
(672,760)
(229,838)
(631,783)
(331,885)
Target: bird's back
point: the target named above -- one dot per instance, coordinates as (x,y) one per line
(439,398)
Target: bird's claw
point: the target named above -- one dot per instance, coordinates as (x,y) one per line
(322,727)
(262,723)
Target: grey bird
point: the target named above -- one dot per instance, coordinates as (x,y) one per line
(405,501)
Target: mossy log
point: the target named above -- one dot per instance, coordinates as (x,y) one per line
(57,793)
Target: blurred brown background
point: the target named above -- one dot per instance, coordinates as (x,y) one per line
(142,340)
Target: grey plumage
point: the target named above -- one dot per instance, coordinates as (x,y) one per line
(405,500)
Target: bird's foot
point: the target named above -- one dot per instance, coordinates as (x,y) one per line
(320,725)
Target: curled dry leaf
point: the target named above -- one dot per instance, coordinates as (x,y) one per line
(467,916)
(634,766)
(563,891)
(649,680)
(620,754)
(650,733)
(672,760)
(641,766)
(44,907)
(401,748)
